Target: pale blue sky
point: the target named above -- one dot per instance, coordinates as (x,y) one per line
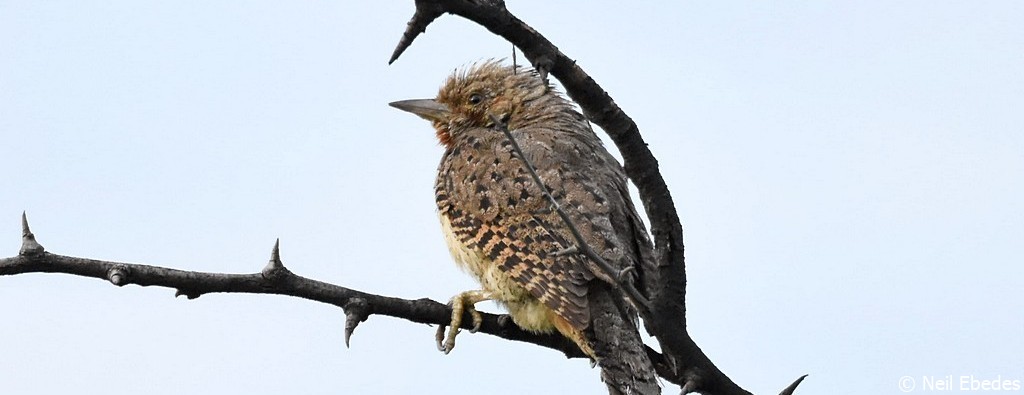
(850,176)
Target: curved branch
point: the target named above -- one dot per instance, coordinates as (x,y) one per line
(692,368)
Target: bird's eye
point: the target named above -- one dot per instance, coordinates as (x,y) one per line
(475,98)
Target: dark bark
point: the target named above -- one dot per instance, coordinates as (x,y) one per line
(277,280)
(273,279)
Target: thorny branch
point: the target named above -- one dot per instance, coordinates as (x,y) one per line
(682,363)
(275,279)
(691,368)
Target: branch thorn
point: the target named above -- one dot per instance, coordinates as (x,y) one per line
(424,15)
(275,254)
(29,245)
(792,387)
(274,267)
(356,311)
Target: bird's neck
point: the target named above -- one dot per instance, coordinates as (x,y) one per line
(443,133)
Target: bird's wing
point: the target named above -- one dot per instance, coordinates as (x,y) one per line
(599,210)
(512,223)
(591,187)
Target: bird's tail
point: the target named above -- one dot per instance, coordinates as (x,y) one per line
(576,335)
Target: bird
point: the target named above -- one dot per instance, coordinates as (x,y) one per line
(497,222)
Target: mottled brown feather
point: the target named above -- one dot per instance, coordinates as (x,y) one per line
(498,216)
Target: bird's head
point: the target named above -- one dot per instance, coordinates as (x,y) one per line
(475,96)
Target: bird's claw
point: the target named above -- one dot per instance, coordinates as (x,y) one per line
(460,304)
(478,319)
(439,337)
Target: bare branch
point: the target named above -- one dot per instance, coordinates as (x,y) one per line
(357,305)
(278,280)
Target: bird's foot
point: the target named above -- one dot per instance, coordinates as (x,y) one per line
(461,303)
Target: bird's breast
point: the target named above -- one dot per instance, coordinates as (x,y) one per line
(527,311)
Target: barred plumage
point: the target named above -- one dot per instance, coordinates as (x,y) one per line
(499,225)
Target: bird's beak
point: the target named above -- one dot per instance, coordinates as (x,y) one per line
(428,109)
